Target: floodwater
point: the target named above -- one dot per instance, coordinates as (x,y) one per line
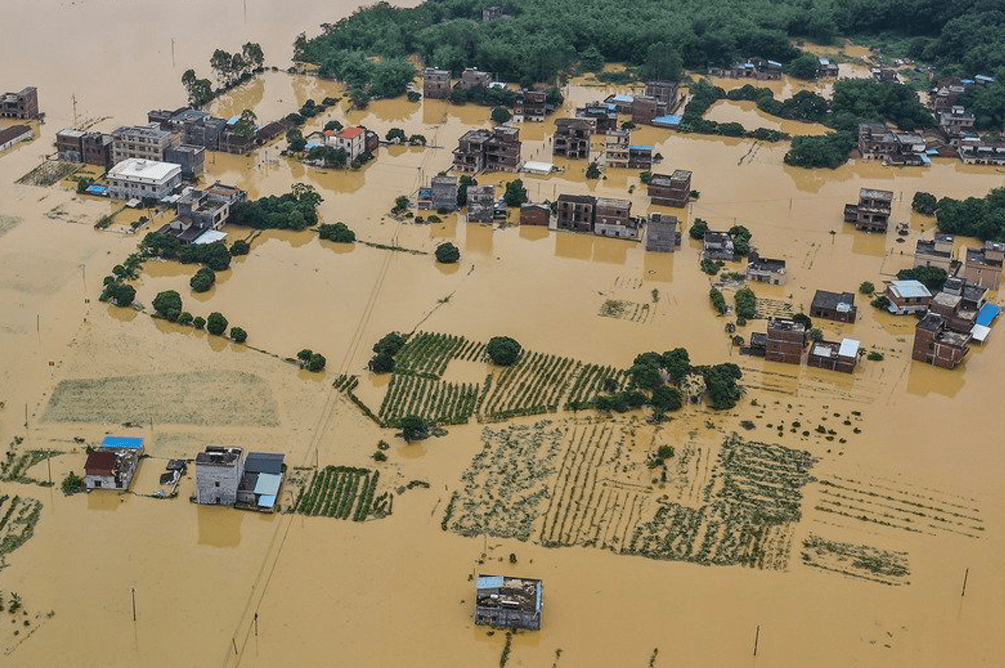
(218,587)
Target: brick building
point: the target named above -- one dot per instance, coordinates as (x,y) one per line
(662,235)
(872,213)
(572,137)
(766,270)
(785,340)
(488,150)
(613,218)
(436,83)
(839,306)
(983,266)
(834,356)
(937,252)
(935,344)
(666,93)
(481,204)
(535,214)
(908,296)
(575,212)
(673,190)
(22,105)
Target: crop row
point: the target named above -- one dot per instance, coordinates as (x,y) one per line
(340,491)
(432,400)
(429,353)
(534,385)
(589,383)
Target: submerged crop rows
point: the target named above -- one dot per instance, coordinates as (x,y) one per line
(340,492)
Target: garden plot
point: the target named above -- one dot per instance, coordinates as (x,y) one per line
(18,517)
(15,467)
(766,307)
(622,309)
(48,173)
(429,353)
(342,492)
(856,561)
(8,223)
(217,398)
(432,400)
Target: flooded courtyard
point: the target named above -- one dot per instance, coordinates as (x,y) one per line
(894,471)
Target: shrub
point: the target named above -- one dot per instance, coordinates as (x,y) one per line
(924,203)
(503,350)
(216,324)
(413,428)
(880,302)
(238,335)
(240,247)
(866,288)
(120,294)
(746,302)
(816,334)
(698,229)
(72,484)
(501,115)
(316,363)
(447,253)
(666,398)
(718,301)
(338,232)
(593,171)
(390,344)
(167,303)
(203,280)
(382,363)
(198,322)
(185,318)
(875,356)
(305,354)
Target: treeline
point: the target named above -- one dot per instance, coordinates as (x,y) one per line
(231,69)
(981,217)
(703,96)
(296,210)
(538,39)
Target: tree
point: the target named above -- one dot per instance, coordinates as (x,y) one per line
(741,239)
(698,229)
(866,288)
(334,126)
(593,171)
(221,63)
(413,428)
(120,294)
(238,334)
(932,277)
(816,334)
(253,55)
(515,194)
(924,203)
(447,253)
(591,59)
(216,324)
(804,67)
(295,140)
(677,362)
(203,280)
(666,398)
(185,318)
(830,150)
(246,124)
(401,204)
(500,115)
(803,320)
(72,484)
(746,303)
(168,304)
(503,350)
(718,301)
(645,376)
(337,232)
(396,135)
(306,194)
(240,247)
(316,363)
(662,62)
(198,322)
(382,363)
(390,344)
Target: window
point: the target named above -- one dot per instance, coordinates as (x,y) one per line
(216,484)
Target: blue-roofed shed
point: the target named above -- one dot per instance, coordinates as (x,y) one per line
(122,442)
(668,121)
(988,314)
(101,191)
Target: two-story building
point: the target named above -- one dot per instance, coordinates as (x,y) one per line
(983,266)
(839,306)
(670,190)
(872,213)
(936,344)
(907,296)
(134,178)
(766,270)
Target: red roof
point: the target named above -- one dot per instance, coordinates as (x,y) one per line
(349,133)
(100,462)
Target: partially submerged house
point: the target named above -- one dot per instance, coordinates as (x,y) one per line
(474,78)
(441,195)
(481,204)
(613,218)
(785,341)
(974,150)
(645,109)
(937,252)
(872,213)
(718,246)
(134,178)
(488,150)
(936,344)
(907,296)
(904,149)
(436,83)
(261,481)
(575,212)
(617,148)
(535,214)
(983,266)
(22,105)
(532,105)
(835,356)
(839,306)
(202,211)
(766,270)
(604,115)
(507,602)
(670,190)
(15,134)
(754,68)
(218,471)
(640,156)
(113,465)
(90,148)
(662,235)
(666,93)
(572,137)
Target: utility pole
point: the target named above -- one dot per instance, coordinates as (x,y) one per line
(757,637)
(73,98)
(172,52)
(134,604)
(966,575)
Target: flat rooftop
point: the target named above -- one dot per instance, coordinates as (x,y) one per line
(137,168)
(872,193)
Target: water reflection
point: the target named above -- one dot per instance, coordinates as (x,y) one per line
(219,526)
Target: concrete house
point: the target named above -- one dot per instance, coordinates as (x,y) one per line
(960,315)
(191,159)
(937,252)
(506,602)
(718,246)
(22,105)
(826,68)
(755,68)
(766,270)
(535,214)
(532,105)
(472,78)
(617,148)
(956,122)
(872,213)
(621,103)
(351,140)
(200,211)
(488,150)
(443,191)
(575,212)
(640,156)
(785,340)
(935,344)
(603,114)
(218,472)
(113,465)
(645,109)
(666,93)
(839,306)
(15,134)
(143,179)
(145,142)
(91,148)
(572,137)
(835,356)
(261,481)
(884,74)
(481,204)
(436,83)
(907,296)
(983,266)
(670,190)
(877,142)
(662,235)
(613,218)
(976,151)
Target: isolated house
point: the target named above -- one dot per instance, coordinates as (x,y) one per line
(535,214)
(872,213)
(200,211)
(442,193)
(261,481)
(718,246)
(481,204)
(826,68)
(218,471)
(436,83)
(670,190)
(662,235)
(908,296)
(113,465)
(766,270)
(22,105)
(983,266)
(507,602)
(784,341)
(835,356)
(937,252)
(935,344)
(839,306)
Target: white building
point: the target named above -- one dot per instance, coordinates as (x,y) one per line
(140,179)
(353,140)
(13,135)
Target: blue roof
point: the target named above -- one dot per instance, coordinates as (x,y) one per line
(266,501)
(775,63)
(313,143)
(984,77)
(671,119)
(121,442)
(640,148)
(233,120)
(925,159)
(622,98)
(97,190)
(987,314)
(932,151)
(966,81)
(489,582)
(268,484)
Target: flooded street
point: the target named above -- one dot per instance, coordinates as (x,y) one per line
(906,457)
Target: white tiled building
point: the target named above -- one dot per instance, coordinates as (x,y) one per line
(138,178)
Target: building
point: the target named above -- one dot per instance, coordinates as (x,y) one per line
(785,340)
(666,93)
(976,151)
(113,464)
(533,104)
(481,204)
(68,145)
(884,74)
(576,212)
(839,306)
(506,602)
(956,122)
(261,481)
(191,159)
(613,218)
(488,150)
(755,68)
(617,148)
(826,68)
(833,355)
(436,83)
(621,103)
(935,344)
(877,142)
(662,235)
(218,473)
(945,93)
(960,315)
(673,190)
(351,140)
(640,157)
(535,214)
(983,266)
(145,142)
(718,246)
(645,109)
(974,296)
(472,78)
(15,134)
(134,178)
(97,149)
(907,296)
(872,213)
(603,114)
(572,138)
(937,252)
(22,105)
(493,12)
(197,127)
(766,270)
(443,191)
(200,211)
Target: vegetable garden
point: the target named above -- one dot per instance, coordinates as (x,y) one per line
(340,492)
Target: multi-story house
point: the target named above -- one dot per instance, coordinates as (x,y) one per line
(766,270)
(662,235)
(436,83)
(839,306)
(488,150)
(907,296)
(481,204)
(616,148)
(134,178)
(22,105)
(936,344)
(575,212)
(785,341)
(670,190)
(937,252)
(572,138)
(613,218)
(983,266)
(872,213)
(145,142)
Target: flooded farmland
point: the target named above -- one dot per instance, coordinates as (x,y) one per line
(892,504)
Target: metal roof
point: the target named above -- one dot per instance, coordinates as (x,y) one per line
(121,442)
(268,483)
(909,289)
(987,314)
(849,348)
(264,462)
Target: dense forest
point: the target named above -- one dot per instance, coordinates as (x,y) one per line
(540,38)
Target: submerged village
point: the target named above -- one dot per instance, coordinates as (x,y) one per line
(302,347)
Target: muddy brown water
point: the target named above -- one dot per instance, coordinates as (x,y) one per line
(397,591)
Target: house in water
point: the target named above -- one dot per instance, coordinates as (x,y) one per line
(481,204)
(22,105)
(442,192)
(617,148)
(755,68)
(666,93)
(191,159)
(645,109)
(572,137)
(613,218)
(472,78)
(15,134)
(835,356)
(662,235)
(532,105)
(839,306)
(903,149)
(976,151)
(134,178)
(488,150)
(261,481)
(622,103)
(960,314)
(506,602)
(200,211)
(575,212)
(640,156)
(113,464)
(983,266)
(603,114)
(535,214)
(785,341)
(907,296)
(766,270)
(90,148)
(936,344)
(218,471)
(937,252)
(670,190)
(872,213)
(436,83)
(718,246)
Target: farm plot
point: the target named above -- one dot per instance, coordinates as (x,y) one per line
(766,307)
(589,383)
(48,173)
(227,398)
(506,486)
(18,517)
(429,353)
(534,385)
(340,492)
(621,309)
(15,466)
(8,223)
(856,561)
(432,400)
